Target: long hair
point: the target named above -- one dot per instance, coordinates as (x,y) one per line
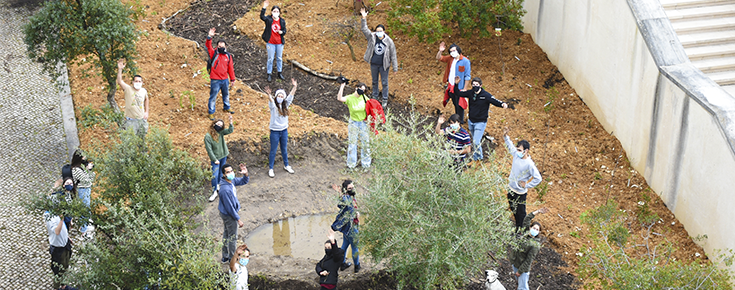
(214,132)
(77,158)
(282,108)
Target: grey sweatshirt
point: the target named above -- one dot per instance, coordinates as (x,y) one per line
(278,122)
(522,170)
(389,57)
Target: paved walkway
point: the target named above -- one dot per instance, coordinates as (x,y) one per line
(33,148)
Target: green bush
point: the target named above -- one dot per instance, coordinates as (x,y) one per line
(611,263)
(431,20)
(435,226)
(149,197)
(89,117)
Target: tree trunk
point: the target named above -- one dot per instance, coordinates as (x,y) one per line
(111,98)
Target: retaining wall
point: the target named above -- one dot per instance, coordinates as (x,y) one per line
(676,125)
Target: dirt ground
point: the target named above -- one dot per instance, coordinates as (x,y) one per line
(582,164)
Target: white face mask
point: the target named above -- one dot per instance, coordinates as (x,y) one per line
(137,86)
(379,34)
(454,126)
(454,54)
(275,14)
(533,232)
(279,100)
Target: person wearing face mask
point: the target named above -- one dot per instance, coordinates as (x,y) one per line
(381,54)
(357,127)
(330,264)
(348,223)
(82,172)
(521,171)
(522,257)
(457,137)
(238,267)
(279,126)
(228,207)
(479,102)
(217,151)
(221,74)
(456,75)
(136,102)
(273,35)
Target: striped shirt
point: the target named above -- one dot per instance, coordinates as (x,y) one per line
(84,177)
(459,140)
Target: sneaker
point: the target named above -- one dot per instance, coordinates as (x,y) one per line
(345,266)
(211,117)
(269,78)
(228,111)
(225,260)
(357,268)
(213,196)
(280,76)
(288,169)
(384,103)
(270,173)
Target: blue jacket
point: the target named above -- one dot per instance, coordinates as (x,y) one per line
(228,203)
(345,220)
(463,69)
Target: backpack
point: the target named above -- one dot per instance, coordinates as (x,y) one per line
(214,60)
(66,173)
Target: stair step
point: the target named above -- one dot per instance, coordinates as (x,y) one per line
(704,52)
(707,12)
(723,78)
(707,38)
(704,25)
(715,64)
(679,4)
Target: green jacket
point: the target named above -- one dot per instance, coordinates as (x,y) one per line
(529,247)
(217,150)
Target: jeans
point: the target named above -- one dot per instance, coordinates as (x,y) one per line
(85,194)
(477,129)
(139,126)
(522,280)
(350,241)
(229,237)
(517,203)
(277,50)
(378,70)
(216,172)
(355,130)
(214,87)
(282,138)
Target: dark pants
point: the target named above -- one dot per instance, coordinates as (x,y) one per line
(60,257)
(457,108)
(517,203)
(229,237)
(325,288)
(378,70)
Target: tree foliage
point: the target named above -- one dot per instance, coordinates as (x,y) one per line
(433,224)
(431,20)
(83,31)
(148,197)
(612,261)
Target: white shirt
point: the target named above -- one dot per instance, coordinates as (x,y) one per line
(241,280)
(452,71)
(54,239)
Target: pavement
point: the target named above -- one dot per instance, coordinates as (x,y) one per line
(33,147)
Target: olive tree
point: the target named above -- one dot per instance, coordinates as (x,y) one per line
(98,32)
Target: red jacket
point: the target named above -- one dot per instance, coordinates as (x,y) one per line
(375,111)
(224,65)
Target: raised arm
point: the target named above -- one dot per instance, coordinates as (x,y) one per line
(442,47)
(262,11)
(294,83)
(439,122)
(120,67)
(339,94)
(363,24)
(508,143)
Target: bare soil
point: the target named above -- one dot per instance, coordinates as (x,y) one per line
(582,164)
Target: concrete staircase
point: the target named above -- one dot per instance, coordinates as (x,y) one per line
(706,29)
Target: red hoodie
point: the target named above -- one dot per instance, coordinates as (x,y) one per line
(224,65)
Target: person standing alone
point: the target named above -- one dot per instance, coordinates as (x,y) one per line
(221,74)
(275,29)
(279,126)
(521,171)
(381,54)
(136,102)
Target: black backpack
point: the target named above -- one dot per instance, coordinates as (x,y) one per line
(214,59)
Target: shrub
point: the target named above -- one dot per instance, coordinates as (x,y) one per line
(434,225)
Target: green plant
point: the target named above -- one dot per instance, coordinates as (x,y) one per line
(598,176)
(574,234)
(432,228)
(609,263)
(89,117)
(430,20)
(75,32)
(644,213)
(551,95)
(542,189)
(190,95)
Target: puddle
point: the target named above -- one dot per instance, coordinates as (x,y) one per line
(299,237)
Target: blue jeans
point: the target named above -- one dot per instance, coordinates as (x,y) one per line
(85,194)
(349,241)
(355,130)
(277,51)
(216,173)
(214,87)
(278,137)
(476,129)
(522,280)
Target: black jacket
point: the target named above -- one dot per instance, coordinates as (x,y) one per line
(268,22)
(479,104)
(331,264)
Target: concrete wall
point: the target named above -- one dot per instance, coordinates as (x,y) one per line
(676,125)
